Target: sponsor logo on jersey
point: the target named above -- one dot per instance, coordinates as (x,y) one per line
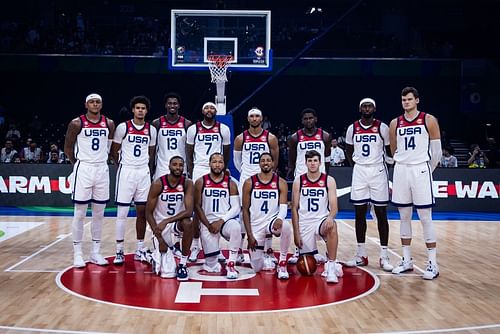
(180,187)
(273,185)
(375,129)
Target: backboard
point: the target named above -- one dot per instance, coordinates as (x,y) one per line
(244,34)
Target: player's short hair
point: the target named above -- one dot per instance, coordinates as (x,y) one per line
(408,90)
(171,95)
(308,111)
(311,154)
(140,99)
(176,157)
(266,153)
(214,154)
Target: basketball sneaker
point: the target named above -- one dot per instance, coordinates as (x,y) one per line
(221,258)
(282,271)
(331,276)
(338,270)
(168,267)
(403,266)
(270,252)
(385,264)
(431,271)
(240,259)
(268,262)
(214,269)
(155,261)
(320,258)
(98,259)
(177,250)
(182,273)
(119,258)
(194,254)
(358,261)
(295,257)
(78,261)
(231,271)
(141,254)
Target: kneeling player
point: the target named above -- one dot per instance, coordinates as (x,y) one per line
(168,211)
(264,212)
(314,207)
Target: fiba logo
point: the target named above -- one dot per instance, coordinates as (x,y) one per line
(259,52)
(181,50)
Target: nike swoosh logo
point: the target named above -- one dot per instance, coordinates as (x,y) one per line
(343,191)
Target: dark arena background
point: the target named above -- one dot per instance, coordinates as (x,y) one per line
(326,55)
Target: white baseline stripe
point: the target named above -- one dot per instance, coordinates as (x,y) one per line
(377,241)
(444,330)
(42,330)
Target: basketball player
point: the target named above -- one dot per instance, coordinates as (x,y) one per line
(367,141)
(133,151)
(202,140)
(171,129)
(216,203)
(86,146)
(248,147)
(310,137)
(168,210)
(314,207)
(264,211)
(416,145)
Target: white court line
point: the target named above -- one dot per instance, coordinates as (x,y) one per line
(444,330)
(42,330)
(32,271)
(377,241)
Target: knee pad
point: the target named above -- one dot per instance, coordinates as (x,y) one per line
(405,218)
(427,225)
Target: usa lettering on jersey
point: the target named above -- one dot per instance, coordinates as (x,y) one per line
(171,199)
(252,148)
(135,145)
(412,140)
(368,143)
(215,197)
(306,143)
(171,141)
(264,200)
(206,142)
(313,200)
(92,141)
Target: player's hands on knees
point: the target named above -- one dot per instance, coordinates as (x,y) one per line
(216,226)
(163,247)
(278,224)
(252,243)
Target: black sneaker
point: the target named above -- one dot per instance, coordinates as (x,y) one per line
(182,273)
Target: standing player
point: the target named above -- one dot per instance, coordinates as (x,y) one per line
(203,139)
(171,129)
(248,147)
(314,207)
(86,146)
(168,211)
(367,141)
(416,145)
(310,137)
(264,211)
(216,203)
(133,150)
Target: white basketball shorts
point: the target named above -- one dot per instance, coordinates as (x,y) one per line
(132,183)
(90,183)
(412,185)
(370,184)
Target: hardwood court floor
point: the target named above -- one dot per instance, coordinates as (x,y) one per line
(466,296)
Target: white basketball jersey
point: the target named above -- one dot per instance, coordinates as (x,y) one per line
(171,141)
(215,198)
(171,199)
(206,142)
(307,143)
(92,142)
(252,148)
(412,140)
(369,142)
(135,145)
(313,201)
(264,200)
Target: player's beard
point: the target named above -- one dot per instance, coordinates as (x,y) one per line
(367,116)
(217,173)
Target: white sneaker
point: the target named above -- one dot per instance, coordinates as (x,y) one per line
(141,254)
(403,266)
(295,257)
(78,261)
(231,271)
(177,252)
(240,259)
(119,258)
(268,263)
(320,258)
(385,264)
(98,259)
(156,261)
(325,269)
(270,253)
(431,271)
(358,261)
(282,271)
(338,269)
(194,254)
(221,258)
(331,276)
(215,269)
(168,265)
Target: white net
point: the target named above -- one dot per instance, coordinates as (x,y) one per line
(218,67)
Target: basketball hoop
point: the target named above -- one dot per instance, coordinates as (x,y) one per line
(218,64)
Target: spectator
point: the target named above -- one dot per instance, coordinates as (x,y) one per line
(13,134)
(17,159)
(493,154)
(476,158)
(54,157)
(8,152)
(266,123)
(337,156)
(31,153)
(60,154)
(448,160)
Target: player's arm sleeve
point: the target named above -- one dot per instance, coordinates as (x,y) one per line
(436,153)
(119,133)
(348,135)
(226,135)
(190,135)
(234,200)
(237,160)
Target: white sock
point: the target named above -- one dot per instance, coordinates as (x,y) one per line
(431,253)
(383,251)
(406,253)
(140,244)
(361,249)
(119,246)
